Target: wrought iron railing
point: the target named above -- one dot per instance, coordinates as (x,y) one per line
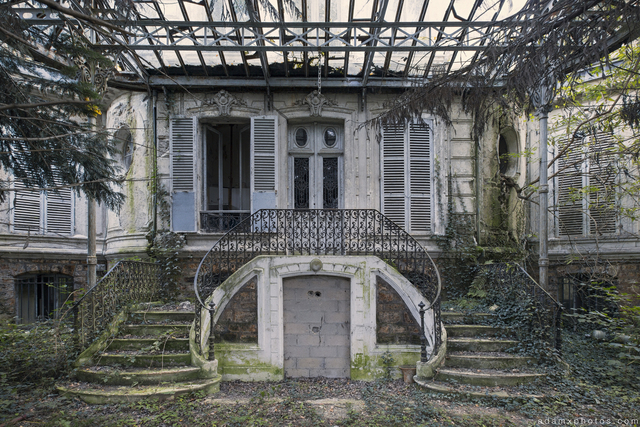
(128,282)
(344,232)
(548,309)
(221,222)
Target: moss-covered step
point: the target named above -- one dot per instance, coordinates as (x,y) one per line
(168,344)
(466,393)
(145,330)
(486,377)
(161,316)
(143,360)
(473,331)
(449,317)
(487,361)
(102,395)
(479,344)
(131,376)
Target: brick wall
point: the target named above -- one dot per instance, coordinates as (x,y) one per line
(12,267)
(395,324)
(238,322)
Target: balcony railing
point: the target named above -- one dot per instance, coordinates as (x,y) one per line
(221,222)
(319,232)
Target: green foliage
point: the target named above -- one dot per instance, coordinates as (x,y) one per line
(35,351)
(46,138)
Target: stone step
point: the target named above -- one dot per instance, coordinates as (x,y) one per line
(168,344)
(489,378)
(145,330)
(473,393)
(487,361)
(121,394)
(473,331)
(459,317)
(143,360)
(142,316)
(479,344)
(114,376)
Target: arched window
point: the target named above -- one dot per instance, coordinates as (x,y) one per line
(41,296)
(124,142)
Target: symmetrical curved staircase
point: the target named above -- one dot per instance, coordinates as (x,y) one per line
(476,363)
(148,358)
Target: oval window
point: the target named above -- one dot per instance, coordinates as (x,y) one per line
(330,137)
(301,137)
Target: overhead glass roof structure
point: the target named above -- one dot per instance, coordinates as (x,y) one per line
(356,43)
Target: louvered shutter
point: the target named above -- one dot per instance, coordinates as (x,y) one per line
(394,201)
(27,210)
(59,211)
(183,149)
(570,180)
(602,177)
(419,177)
(264,131)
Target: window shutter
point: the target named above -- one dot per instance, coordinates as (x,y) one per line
(264,137)
(570,180)
(183,136)
(394,202)
(59,211)
(27,210)
(602,178)
(420,177)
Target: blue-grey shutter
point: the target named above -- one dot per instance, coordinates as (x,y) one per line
(59,211)
(394,174)
(570,180)
(183,167)
(27,210)
(419,177)
(264,141)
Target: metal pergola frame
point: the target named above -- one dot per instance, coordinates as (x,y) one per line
(368,44)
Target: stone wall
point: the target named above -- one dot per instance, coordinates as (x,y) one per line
(238,322)
(395,324)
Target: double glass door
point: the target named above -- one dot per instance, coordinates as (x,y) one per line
(316,166)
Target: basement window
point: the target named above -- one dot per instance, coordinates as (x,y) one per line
(41,296)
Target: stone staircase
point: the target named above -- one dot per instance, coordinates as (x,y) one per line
(148,358)
(476,362)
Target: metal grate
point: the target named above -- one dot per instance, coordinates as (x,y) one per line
(41,296)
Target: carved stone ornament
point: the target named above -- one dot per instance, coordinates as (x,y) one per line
(316,101)
(100,78)
(224,101)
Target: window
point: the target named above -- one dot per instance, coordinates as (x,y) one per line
(581,292)
(41,296)
(585,194)
(40,212)
(315,151)
(406,176)
(124,142)
(227,195)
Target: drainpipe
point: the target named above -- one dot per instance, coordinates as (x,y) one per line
(541,98)
(544,201)
(154,228)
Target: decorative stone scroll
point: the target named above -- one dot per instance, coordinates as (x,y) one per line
(316,101)
(224,101)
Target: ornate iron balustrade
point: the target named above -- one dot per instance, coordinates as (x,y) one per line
(126,283)
(219,222)
(347,232)
(549,308)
